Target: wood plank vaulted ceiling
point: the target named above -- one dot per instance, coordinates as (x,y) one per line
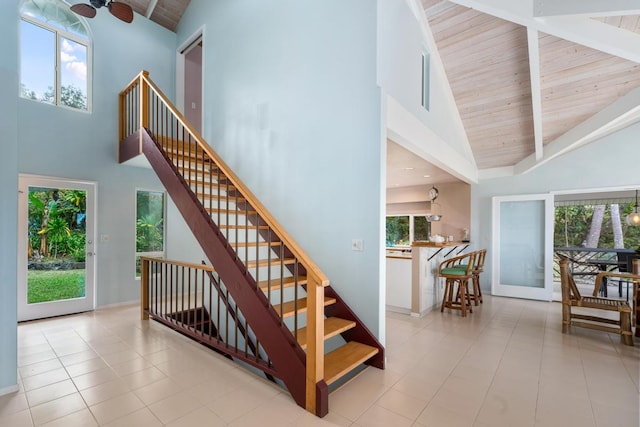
(164,12)
(488,65)
(487,61)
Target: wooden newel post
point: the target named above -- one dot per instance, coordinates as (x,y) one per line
(144,289)
(315,342)
(144,103)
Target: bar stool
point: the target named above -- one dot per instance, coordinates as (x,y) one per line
(478,268)
(457,271)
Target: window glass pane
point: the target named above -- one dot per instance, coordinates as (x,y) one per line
(420,228)
(425,80)
(56,14)
(522,243)
(37,70)
(397,230)
(73,74)
(150,221)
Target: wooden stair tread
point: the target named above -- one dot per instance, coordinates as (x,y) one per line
(240,245)
(332,327)
(242,227)
(287,282)
(199,180)
(273,262)
(288,308)
(344,359)
(239,212)
(201,195)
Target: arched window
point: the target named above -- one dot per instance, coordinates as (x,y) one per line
(55,65)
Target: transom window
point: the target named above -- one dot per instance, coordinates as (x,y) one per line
(54,55)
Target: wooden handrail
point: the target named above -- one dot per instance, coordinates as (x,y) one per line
(204,267)
(316,279)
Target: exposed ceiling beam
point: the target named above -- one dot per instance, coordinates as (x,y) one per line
(409,132)
(594,34)
(578,29)
(536,97)
(585,7)
(151,7)
(622,113)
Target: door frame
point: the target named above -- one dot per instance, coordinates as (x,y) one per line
(62,307)
(545,293)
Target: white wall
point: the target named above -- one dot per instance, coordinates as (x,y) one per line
(611,162)
(9,197)
(293,107)
(401,40)
(77,145)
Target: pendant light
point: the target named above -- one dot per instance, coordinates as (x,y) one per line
(634,217)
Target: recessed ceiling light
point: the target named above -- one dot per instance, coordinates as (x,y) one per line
(426,176)
(409,169)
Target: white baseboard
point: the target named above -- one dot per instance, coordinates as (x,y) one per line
(395,309)
(10,389)
(119,304)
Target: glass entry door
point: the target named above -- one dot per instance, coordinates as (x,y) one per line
(523,246)
(56,247)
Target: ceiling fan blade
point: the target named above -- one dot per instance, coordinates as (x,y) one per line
(121,11)
(85,10)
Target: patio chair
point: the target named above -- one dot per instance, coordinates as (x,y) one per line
(571,298)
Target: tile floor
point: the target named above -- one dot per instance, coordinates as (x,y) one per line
(507,364)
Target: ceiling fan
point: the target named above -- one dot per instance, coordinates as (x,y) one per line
(120,10)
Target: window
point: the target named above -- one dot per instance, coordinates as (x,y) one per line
(425,80)
(404,229)
(595,223)
(150,213)
(54,55)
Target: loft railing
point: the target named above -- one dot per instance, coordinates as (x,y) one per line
(272,259)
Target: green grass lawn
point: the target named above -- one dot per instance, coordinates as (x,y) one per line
(52,285)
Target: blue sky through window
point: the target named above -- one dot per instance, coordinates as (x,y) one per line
(37,59)
(41,47)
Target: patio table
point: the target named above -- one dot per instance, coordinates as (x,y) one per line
(605,265)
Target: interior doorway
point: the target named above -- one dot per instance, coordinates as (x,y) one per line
(190,62)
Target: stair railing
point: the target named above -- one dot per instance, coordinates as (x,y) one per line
(179,294)
(144,108)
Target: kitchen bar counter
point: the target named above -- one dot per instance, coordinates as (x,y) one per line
(412,284)
(426,289)
(438,245)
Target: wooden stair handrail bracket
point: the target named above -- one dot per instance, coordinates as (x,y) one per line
(201,185)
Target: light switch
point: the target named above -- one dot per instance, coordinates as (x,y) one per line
(193,106)
(357,245)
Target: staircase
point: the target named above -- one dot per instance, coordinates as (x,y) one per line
(267,290)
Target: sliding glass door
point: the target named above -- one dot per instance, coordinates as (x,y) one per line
(523,246)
